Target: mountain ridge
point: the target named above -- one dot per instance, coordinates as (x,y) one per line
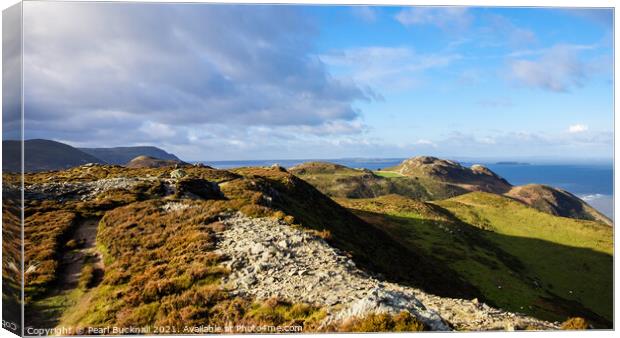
(122,155)
(43,155)
(46,155)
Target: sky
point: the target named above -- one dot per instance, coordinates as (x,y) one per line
(246,82)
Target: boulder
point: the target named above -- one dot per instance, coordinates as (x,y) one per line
(197,188)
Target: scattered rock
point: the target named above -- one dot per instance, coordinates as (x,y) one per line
(79,190)
(178,173)
(276,260)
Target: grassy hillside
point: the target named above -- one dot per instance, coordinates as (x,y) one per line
(475,178)
(429,178)
(519,258)
(557,202)
(11,252)
(340,181)
(573,258)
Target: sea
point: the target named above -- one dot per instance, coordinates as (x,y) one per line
(591,182)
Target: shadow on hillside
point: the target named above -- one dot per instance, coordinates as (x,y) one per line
(371,248)
(529,259)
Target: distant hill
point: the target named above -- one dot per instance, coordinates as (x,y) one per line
(122,155)
(428,178)
(339,181)
(152,162)
(475,178)
(43,155)
(556,202)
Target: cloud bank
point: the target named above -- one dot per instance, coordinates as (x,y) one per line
(93,71)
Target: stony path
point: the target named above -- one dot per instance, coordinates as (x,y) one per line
(271,259)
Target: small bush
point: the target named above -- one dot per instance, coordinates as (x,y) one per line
(575,323)
(276,312)
(383,322)
(324,234)
(86,277)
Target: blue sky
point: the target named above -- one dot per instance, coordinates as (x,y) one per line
(282,82)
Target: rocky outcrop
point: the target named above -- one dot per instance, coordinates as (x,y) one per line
(152,162)
(63,191)
(476,178)
(269,259)
(196,188)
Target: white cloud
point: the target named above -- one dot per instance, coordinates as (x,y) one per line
(424,142)
(558,69)
(366,13)
(103,69)
(577,128)
(157,129)
(386,67)
(526,144)
(448,18)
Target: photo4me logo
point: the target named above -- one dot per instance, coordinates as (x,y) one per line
(242,329)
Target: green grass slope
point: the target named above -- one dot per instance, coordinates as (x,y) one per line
(557,202)
(429,178)
(519,258)
(339,181)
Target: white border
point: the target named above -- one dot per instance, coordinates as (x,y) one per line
(476,3)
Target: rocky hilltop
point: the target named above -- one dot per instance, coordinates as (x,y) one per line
(475,178)
(318,168)
(152,162)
